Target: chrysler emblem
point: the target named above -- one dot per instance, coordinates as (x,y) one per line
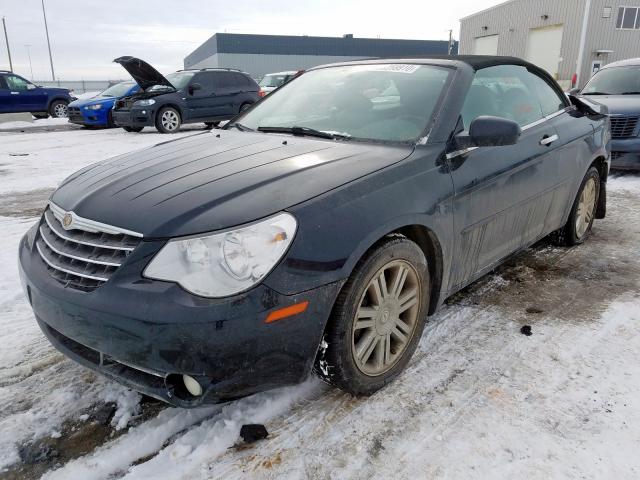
(67,220)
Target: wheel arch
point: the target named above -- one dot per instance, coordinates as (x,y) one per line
(426,239)
(174,105)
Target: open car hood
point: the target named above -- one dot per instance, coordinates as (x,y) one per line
(144,74)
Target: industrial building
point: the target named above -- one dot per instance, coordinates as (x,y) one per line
(262,54)
(571,39)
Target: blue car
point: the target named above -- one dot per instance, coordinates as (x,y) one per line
(96,111)
(19,95)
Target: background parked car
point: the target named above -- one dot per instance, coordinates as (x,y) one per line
(18,95)
(271,81)
(96,111)
(186,96)
(617,86)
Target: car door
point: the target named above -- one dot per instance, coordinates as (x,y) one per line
(503,194)
(28,98)
(226,91)
(200,100)
(8,100)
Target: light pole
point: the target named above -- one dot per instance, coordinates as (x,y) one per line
(6,38)
(29,55)
(46,29)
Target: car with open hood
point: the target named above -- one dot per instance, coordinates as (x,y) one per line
(207,95)
(617,86)
(316,231)
(96,111)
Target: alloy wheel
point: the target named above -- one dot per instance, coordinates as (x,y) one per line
(170,120)
(386,318)
(60,110)
(586,208)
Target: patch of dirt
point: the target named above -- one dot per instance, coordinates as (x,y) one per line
(24,204)
(77,438)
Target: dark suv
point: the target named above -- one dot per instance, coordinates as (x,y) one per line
(186,96)
(19,95)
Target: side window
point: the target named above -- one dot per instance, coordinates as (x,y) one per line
(549,99)
(3,84)
(16,83)
(224,80)
(204,79)
(241,80)
(502,91)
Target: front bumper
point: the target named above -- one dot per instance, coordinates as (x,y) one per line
(97,118)
(136,117)
(625,154)
(144,333)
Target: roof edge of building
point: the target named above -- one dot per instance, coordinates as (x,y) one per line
(502,4)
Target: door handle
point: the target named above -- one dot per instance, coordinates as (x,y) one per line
(548,140)
(15,93)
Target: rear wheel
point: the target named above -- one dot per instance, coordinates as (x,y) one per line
(168,120)
(245,106)
(578,227)
(377,320)
(58,109)
(210,125)
(133,129)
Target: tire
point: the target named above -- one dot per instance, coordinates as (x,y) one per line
(133,129)
(168,120)
(110,122)
(245,106)
(58,109)
(362,360)
(583,212)
(40,115)
(210,125)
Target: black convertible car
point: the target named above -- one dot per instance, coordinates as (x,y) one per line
(318,230)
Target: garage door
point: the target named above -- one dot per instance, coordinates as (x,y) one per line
(486,45)
(543,48)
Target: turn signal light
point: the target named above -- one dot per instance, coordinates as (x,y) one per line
(287,312)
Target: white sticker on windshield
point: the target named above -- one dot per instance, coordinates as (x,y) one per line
(394,67)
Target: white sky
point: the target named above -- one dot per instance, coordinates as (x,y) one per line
(86,35)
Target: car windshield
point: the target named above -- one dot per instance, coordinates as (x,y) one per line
(117,90)
(177,79)
(388,102)
(273,80)
(614,81)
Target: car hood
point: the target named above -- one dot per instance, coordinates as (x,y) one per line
(618,104)
(82,102)
(144,74)
(213,181)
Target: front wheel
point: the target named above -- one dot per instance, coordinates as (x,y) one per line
(58,109)
(168,120)
(133,129)
(583,212)
(377,320)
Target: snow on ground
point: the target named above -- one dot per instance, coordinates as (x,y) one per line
(479,399)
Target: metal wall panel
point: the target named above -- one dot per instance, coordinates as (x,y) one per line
(513,20)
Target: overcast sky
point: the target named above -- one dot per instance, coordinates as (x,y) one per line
(86,35)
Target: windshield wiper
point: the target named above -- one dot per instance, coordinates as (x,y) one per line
(596,93)
(240,127)
(304,132)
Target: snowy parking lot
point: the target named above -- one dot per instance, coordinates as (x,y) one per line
(478,400)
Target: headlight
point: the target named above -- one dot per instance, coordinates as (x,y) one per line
(93,107)
(144,103)
(224,263)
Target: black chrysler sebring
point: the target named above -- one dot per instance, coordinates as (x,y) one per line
(317,231)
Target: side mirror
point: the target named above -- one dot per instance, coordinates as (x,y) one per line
(194,87)
(486,131)
(31,86)
(574,91)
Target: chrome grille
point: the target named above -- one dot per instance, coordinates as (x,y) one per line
(623,127)
(87,254)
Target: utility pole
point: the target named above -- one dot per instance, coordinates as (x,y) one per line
(450,42)
(46,29)
(6,38)
(30,64)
